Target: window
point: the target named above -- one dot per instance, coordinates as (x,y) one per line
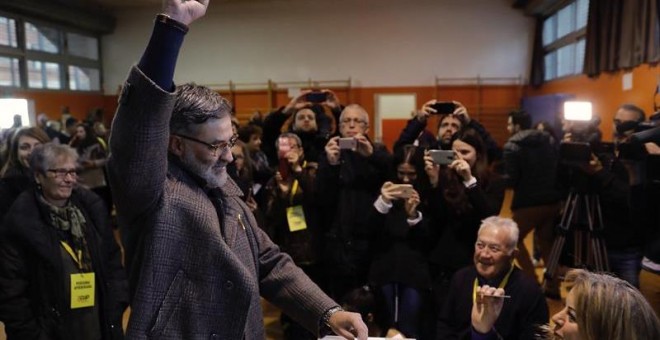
(8,32)
(563,40)
(82,46)
(40,55)
(42,38)
(43,75)
(85,79)
(9,72)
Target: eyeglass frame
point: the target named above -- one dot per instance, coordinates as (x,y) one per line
(213,147)
(62,173)
(355,121)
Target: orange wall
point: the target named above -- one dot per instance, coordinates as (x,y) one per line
(80,104)
(606,94)
(488,104)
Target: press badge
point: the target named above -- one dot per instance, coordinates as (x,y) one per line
(82,290)
(296,218)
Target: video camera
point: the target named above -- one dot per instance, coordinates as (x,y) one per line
(584,132)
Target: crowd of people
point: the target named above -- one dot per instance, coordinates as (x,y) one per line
(304,209)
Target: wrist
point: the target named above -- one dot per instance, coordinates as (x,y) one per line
(171,22)
(325,318)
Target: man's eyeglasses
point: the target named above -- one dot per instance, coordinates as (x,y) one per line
(62,173)
(355,121)
(223,146)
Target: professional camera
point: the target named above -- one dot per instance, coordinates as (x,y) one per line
(585,136)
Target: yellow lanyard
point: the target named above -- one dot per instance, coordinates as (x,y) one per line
(78,259)
(502,284)
(294,188)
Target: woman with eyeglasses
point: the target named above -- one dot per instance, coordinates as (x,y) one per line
(15,174)
(60,267)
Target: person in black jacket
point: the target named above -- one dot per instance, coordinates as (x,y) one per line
(521,314)
(399,267)
(60,268)
(462,195)
(349,180)
(15,176)
(449,124)
(530,162)
(307,120)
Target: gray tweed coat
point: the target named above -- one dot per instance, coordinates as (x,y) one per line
(193,275)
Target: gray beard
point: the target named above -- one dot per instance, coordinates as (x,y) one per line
(205,172)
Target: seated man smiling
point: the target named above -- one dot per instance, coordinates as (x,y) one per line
(494,252)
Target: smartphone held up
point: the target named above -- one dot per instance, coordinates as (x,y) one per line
(442,157)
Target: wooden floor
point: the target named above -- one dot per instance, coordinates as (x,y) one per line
(272,314)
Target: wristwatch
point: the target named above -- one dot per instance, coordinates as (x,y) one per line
(167,20)
(325,319)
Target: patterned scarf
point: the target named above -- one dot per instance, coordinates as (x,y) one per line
(70,220)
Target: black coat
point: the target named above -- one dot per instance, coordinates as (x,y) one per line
(530,161)
(346,194)
(398,252)
(453,234)
(32,303)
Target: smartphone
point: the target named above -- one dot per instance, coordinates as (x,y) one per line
(283,147)
(316,97)
(442,157)
(347,143)
(283,168)
(405,190)
(444,108)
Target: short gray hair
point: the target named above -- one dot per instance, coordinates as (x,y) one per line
(44,156)
(358,108)
(506,224)
(288,135)
(195,105)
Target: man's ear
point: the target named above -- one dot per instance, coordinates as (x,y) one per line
(514,253)
(370,317)
(176,146)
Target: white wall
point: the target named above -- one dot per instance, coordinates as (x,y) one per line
(376,42)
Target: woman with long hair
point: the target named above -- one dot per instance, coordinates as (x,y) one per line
(399,268)
(462,194)
(602,307)
(15,175)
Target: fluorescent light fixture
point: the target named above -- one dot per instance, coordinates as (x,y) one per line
(577,111)
(9,107)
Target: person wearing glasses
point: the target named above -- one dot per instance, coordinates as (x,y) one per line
(15,176)
(197,260)
(60,266)
(350,175)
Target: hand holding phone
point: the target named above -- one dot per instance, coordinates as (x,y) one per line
(316,97)
(403,191)
(349,143)
(443,108)
(442,157)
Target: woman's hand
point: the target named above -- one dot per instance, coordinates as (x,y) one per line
(388,192)
(411,204)
(432,169)
(462,168)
